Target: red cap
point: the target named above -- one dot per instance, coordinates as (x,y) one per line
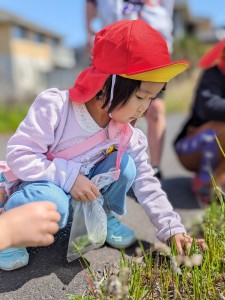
(212,56)
(129,48)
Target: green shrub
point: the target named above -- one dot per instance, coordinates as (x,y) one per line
(11,116)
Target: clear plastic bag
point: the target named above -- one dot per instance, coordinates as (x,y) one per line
(89,226)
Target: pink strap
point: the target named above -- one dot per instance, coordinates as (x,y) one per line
(9,176)
(125,138)
(85,145)
(80,148)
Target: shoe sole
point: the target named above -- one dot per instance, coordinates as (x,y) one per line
(15,267)
(132,242)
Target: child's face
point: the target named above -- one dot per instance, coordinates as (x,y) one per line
(138,103)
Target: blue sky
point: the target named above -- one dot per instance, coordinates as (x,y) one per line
(67,17)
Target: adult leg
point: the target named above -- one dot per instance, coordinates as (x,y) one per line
(156,121)
(199,152)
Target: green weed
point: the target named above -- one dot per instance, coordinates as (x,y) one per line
(11,116)
(162,274)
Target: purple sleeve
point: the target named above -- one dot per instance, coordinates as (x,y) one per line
(149,193)
(27,147)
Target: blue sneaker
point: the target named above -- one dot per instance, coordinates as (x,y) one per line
(13,258)
(118,235)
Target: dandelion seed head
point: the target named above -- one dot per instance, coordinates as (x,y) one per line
(138,252)
(97,288)
(196,259)
(188,262)
(161,247)
(173,259)
(175,269)
(179,259)
(124,274)
(138,260)
(114,287)
(125,290)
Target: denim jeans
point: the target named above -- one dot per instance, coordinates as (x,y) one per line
(114,195)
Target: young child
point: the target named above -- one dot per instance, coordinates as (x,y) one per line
(131,65)
(32,224)
(157,14)
(196,146)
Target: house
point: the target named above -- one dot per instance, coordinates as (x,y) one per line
(187,24)
(32,58)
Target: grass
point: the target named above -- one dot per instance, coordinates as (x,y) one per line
(180,92)
(11,116)
(162,274)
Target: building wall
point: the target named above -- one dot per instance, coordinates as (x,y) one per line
(5,39)
(31,49)
(6,78)
(28,64)
(30,61)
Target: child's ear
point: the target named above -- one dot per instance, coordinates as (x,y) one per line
(100,95)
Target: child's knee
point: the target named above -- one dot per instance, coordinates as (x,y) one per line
(128,168)
(40,191)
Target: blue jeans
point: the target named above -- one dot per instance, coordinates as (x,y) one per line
(114,195)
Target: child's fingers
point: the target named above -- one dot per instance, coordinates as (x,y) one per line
(95,190)
(84,198)
(180,248)
(187,242)
(48,239)
(54,216)
(91,196)
(202,244)
(53,227)
(49,205)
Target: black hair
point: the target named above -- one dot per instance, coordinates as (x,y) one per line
(123,90)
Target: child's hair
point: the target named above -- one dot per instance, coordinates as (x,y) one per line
(123,90)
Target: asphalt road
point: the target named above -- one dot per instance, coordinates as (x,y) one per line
(49,276)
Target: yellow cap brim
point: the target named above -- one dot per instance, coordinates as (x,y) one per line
(163,74)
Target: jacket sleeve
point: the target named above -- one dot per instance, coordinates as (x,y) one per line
(27,147)
(209,100)
(149,192)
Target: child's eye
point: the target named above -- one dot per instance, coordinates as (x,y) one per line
(139,98)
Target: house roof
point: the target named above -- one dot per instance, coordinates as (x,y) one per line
(8,17)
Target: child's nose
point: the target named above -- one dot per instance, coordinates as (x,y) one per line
(142,108)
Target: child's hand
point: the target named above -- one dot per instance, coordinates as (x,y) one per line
(31,224)
(83,189)
(183,240)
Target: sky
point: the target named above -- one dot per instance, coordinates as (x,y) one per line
(67,17)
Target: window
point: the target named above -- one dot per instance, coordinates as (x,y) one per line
(39,37)
(19,32)
(52,42)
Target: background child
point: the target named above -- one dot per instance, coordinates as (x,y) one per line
(32,224)
(196,146)
(130,66)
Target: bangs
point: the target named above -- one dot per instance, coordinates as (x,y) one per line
(123,90)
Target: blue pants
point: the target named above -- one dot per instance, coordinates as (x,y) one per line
(205,143)
(114,195)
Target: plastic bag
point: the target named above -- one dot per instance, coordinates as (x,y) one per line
(89,226)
